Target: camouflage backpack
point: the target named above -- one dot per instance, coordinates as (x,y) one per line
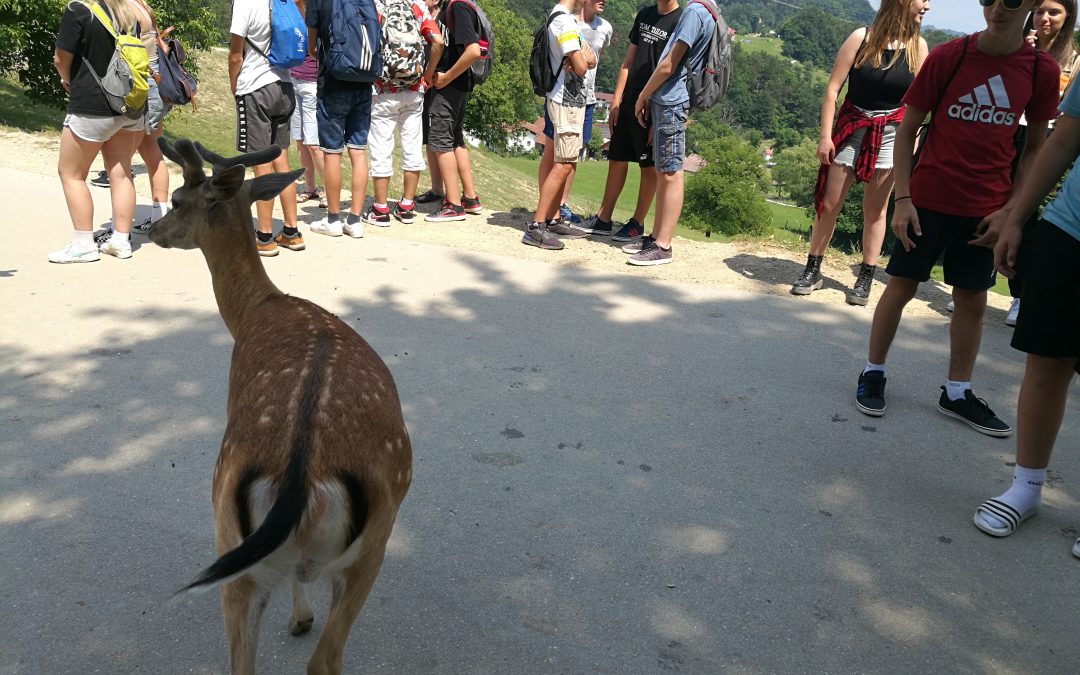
(401,45)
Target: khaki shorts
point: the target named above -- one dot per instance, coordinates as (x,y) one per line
(567,122)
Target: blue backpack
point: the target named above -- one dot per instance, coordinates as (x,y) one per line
(288,36)
(352,51)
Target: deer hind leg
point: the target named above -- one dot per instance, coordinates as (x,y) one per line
(302,616)
(350,589)
(242,604)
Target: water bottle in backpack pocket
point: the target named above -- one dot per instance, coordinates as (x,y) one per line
(288,36)
(352,52)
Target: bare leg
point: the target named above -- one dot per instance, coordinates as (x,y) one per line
(965,333)
(1041,408)
(837,183)
(381,187)
(155,167)
(358,157)
(552,190)
(613,186)
(669,202)
(76,156)
(117,153)
(308,163)
(302,616)
(448,166)
(435,171)
(332,176)
(875,208)
(465,172)
(409,183)
(646,192)
(547,160)
(898,293)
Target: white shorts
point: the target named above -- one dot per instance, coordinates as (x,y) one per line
(304,127)
(100,128)
(403,110)
(848,151)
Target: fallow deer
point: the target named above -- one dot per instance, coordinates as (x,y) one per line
(316,458)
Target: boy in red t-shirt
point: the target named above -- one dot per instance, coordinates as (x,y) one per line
(960,194)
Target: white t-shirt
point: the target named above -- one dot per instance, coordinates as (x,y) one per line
(564,37)
(598,34)
(251,20)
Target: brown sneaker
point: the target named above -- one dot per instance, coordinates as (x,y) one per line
(293,243)
(267,249)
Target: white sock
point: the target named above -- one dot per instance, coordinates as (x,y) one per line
(380,207)
(1025,493)
(405,203)
(871,367)
(84,239)
(955,390)
(119,236)
(157,210)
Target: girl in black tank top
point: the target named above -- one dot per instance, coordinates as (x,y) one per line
(878,63)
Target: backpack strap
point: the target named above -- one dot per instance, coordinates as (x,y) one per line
(713,10)
(270,8)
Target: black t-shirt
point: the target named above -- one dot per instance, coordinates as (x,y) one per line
(84,36)
(461,28)
(650,34)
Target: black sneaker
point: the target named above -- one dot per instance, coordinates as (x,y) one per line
(447,213)
(538,235)
(101,179)
(472,205)
(860,293)
(429,197)
(631,231)
(975,412)
(594,225)
(102,236)
(565,230)
(870,395)
(378,218)
(405,215)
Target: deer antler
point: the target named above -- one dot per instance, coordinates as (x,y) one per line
(185,154)
(249,159)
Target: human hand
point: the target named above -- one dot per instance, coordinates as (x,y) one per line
(613,116)
(1007,250)
(641,108)
(905,215)
(439,80)
(826,151)
(989,228)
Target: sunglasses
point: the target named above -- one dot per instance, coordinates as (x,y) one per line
(1008,4)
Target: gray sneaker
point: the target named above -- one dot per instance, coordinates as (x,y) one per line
(651,255)
(565,230)
(539,236)
(636,246)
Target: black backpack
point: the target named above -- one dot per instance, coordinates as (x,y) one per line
(541,73)
(708,85)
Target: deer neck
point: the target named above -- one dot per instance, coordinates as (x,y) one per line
(240,280)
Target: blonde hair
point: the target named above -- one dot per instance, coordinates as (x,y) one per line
(121,12)
(893,22)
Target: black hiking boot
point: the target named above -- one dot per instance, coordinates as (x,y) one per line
(810,280)
(860,292)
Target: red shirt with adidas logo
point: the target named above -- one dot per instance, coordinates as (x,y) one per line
(964,168)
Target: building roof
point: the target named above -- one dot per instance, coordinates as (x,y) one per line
(605,97)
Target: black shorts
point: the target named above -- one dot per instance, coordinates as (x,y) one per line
(630,140)
(967,267)
(444,118)
(1049,321)
(263,117)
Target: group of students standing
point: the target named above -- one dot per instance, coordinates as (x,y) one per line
(968,197)
(648,121)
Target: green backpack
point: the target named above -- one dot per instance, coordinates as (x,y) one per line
(126,80)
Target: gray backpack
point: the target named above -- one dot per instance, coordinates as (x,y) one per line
(707,84)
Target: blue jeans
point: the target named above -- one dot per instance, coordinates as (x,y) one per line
(669,136)
(344,117)
(156,109)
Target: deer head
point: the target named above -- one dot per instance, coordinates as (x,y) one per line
(204,203)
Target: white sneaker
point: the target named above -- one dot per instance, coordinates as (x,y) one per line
(74,253)
(115,247)
(1014,312)
(355,230)
(327,228)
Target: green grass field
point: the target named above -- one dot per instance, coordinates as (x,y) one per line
(769,45)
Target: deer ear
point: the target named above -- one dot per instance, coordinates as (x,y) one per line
(268,186)
(225,184)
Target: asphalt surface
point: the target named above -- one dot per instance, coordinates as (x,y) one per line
(611,474)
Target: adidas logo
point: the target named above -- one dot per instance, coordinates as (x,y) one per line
(987,103)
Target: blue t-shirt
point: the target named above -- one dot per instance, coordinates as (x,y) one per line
(695,29)
(1064,211)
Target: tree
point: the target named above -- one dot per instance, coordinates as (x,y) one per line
(814,37)
(506,99)
(28,39)
(785,138)
(796,171)
(726,195)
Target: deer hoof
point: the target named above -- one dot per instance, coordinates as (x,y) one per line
(301,626)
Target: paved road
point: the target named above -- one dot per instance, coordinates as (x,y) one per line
(612,474)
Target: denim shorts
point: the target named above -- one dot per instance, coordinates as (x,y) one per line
(156,109)
(669,136)
(344,117)
(586,132)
